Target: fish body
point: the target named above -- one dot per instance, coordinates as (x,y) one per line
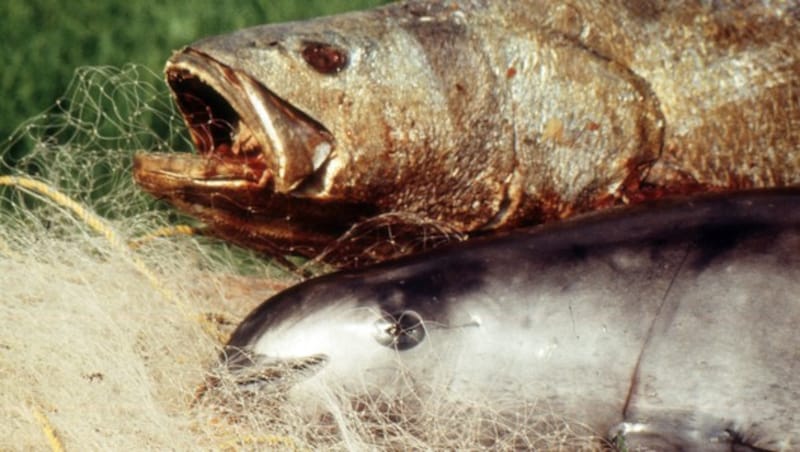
(673,326)
(478,116)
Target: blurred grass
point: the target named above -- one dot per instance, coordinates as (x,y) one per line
(45,40)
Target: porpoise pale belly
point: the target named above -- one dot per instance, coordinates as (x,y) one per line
(673,325)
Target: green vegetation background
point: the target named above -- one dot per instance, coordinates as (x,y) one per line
(45,40)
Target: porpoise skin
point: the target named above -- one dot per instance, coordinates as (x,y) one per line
(670,325)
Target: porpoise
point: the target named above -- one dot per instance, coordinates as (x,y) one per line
(670,325)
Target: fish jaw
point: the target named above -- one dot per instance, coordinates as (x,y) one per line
(230,114)
(235,199)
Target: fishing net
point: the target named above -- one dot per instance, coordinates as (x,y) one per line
(114,309)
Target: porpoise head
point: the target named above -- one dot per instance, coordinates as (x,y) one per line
(663,324)
(360,332)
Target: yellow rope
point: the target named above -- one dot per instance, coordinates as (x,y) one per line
(167,231)
(94,222)
(102,227)
(48,430)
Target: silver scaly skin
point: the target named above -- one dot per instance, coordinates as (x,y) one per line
(478,116)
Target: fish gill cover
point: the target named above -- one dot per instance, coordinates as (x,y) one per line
(112,315)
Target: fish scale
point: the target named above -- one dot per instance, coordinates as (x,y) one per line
(482,116)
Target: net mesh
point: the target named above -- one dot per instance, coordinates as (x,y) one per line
(113,314)
(83,145)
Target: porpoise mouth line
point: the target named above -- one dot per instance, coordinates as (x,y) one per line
(243,130)
(260,375)
(259,372)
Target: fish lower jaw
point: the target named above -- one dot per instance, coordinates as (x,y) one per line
(163,173)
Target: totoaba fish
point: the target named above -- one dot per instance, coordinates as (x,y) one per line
(478,115)
(671,327)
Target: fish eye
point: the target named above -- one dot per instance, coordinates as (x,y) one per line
(325,58)
(401,332)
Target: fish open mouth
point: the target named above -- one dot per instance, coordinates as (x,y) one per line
(245,134)
(217,130)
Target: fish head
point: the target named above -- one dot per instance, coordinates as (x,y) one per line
(296,126)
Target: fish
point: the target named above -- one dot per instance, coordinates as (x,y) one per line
(669,325)
(377,133)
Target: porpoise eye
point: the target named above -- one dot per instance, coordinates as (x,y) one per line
(401,332)
(325,58)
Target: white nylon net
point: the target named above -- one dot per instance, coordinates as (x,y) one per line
(108,331)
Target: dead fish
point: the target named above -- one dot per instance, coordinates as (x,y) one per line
(671,327)
(477,116)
